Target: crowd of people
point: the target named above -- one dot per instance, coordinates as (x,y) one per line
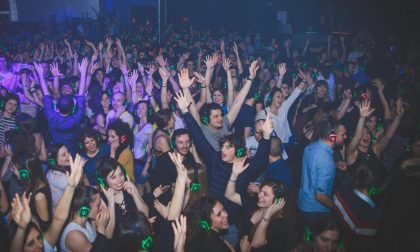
(209,141)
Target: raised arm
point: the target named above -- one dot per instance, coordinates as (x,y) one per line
(21,214)
(226,66)
(210,63)
(365,111)
(62,210)
(42,83)
(238,59)
(237,168)
(82,69)
(164,74)
(121,51)
(90,73)
(186,82)
(240,98)
(345,103)
(282,72)
(56,79)
(175,207)
(124,72)
(380,86)
(203,91)
(380,145)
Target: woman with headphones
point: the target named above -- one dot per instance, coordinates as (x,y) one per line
(120,193)
(28,170)
(58,164)
(92,151)
(165,122)
(100,124)
(267,226)
(143,134)
(81,232)
(120,138)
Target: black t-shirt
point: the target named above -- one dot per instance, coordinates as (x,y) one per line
(44,225)
(245,119)
(276,237)
(207,242)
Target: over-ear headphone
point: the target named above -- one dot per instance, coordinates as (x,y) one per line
(123,138)
(195,184)
(146,243)
(24,174)
(204,225)
(205,117)
(102,182)
(240,152)
(84,210)
(51,160)
(332,137)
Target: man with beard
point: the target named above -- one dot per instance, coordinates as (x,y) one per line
(318,173)
(165,172)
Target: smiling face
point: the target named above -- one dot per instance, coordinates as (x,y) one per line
(116,179)
(265,197)
(117,101)
(63,156)
(113,138)
(219,218)
(183,144)
(141,110)
(90,145)
(11,106)
(218,97)
(105,100)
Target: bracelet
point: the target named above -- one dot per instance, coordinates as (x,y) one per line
(265,219)
(250,79)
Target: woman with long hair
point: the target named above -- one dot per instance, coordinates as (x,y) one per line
(143,134)
(120,138)
(124,195)
(58,163)
(29,172)
(25,125)
(267,224)
(101,116)
(135,234)
(165,123)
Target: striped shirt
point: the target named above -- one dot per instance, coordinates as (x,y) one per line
(6,124)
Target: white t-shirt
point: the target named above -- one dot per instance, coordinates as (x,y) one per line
(141,140)
(252,145)
(58,183)
(125,117)
(89,232)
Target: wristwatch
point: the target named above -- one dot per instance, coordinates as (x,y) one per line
(250,79)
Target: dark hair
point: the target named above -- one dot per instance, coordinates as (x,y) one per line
(89,133)
(132,230)
(207,108)
(162,118)
(326,128)
(325,223)
(180,132)
(27,160)
(121,129)
(276,147)
(105,166)
(8,97)
(196,174)
(235,140)
(81,193)
(53,154)
(271,95)
(149,108)
(65,104)
(363,177)
(200,211)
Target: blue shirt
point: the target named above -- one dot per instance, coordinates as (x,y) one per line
(90,167)
(280,171)
(64,129)
(318,172)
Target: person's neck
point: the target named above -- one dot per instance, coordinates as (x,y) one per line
(363,149)
(274,109)
(330,144)
(143,119)
(79,220)
(7,114)
(273,159)
(92,153)
(106,109)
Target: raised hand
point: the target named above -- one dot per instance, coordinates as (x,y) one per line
(210,61)
(239,165)
(83,66)
(364,109)
(54,69)
(21,212)
(161,61)
(151,70)
(274,208)
(235,48)
(282,69)
(132,80)
(164,74)
(222,45)
(378,84)
(94,67)
(267,126)
(76,167)
(102,220)
(184,79)
(180,233)
(227,64)
(100,46)
(177,160)
(109,194)
(200,78)
(124,69)
(160,190)
(183,102)
(108,41)
(253,69)
(39,69)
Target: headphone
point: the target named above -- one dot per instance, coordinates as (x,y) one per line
(97,139)
(240,152)
(256,96)
(204,225)
(102,183)
(146,243)
(24,173)
(84,210)
(123,138)
(51,160)
(308,237)
(195,184)
(332,137)
(373,191)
